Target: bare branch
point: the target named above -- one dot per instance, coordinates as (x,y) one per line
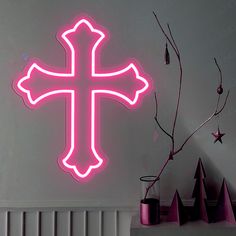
(157,178)
(165,34)
(179,95)
(180,83)
(219,70)
(222,108)
(198,128)
(156,119)
(218,102)
(215,113)
(175,48)
(171,35)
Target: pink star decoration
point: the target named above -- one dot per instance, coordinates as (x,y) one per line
(218,135)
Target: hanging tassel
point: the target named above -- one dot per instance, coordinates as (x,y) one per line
(167,56)
(220,89)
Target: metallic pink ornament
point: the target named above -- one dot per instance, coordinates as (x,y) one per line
(220,89)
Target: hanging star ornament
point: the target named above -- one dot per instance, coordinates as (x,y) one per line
(218,135)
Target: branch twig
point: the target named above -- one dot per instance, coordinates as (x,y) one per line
(174,46)
(219,70)
(155,117)
(215,113)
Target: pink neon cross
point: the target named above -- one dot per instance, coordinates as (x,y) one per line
(82,85)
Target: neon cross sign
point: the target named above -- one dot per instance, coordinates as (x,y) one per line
(81,84)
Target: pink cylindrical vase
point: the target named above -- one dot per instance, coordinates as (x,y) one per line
(150,203)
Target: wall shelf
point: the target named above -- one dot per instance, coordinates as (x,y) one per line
(190,228)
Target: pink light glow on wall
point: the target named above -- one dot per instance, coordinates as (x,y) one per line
(82,85)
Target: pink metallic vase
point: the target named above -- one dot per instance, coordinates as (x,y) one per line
(150,206)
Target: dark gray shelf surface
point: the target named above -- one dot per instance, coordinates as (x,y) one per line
(197,228)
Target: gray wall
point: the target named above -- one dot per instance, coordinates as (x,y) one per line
(31,140)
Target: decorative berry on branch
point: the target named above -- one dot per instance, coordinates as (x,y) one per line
(172,134)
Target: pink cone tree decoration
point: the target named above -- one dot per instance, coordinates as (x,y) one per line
(177,211)
(224,208)
(174,150)
(200,207)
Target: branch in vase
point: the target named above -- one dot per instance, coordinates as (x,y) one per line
(217,111)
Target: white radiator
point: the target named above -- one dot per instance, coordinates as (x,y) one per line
(65,222)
